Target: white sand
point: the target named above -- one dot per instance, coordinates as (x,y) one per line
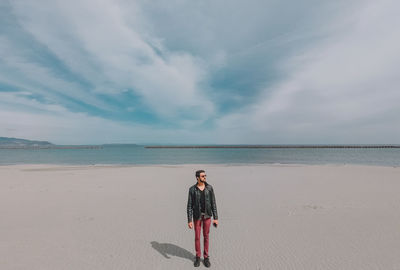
(271,217)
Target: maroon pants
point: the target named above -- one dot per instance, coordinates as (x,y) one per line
(206,222)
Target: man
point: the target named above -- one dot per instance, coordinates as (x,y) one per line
(201,206)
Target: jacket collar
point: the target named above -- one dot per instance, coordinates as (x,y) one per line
(205,183)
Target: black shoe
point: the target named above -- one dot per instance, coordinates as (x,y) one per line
(197,262)
(207,262)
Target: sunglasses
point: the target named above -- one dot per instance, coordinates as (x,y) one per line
(202,176)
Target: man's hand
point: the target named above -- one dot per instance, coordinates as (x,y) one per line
(215,221)
(190,224)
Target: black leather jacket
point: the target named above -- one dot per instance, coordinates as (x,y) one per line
(193,204)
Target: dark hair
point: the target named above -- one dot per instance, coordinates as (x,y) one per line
(198,173)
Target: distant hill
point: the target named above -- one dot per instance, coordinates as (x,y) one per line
(22,143)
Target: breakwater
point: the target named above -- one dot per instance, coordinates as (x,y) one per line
(272,146)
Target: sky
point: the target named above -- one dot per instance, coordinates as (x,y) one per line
(200,72)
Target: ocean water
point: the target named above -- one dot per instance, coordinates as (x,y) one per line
(136,154)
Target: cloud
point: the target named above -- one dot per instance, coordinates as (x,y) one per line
(243,42)
(200,72)
(60,126)
(111,56)
(341,89)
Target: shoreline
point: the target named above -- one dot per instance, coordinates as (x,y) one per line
(185,165)
(245,146)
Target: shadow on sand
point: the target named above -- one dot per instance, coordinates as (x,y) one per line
(166,249)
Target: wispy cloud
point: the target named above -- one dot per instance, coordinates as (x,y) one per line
(113,57)
(200,72)
(342,88)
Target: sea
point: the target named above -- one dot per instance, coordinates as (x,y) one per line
(141,155)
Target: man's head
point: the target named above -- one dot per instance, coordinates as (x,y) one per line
(201,176)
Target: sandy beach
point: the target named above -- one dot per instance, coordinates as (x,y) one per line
(134,217)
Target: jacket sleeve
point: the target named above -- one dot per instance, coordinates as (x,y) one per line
(189,207)
(214,205)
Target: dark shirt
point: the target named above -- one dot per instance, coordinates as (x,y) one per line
(202,202)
